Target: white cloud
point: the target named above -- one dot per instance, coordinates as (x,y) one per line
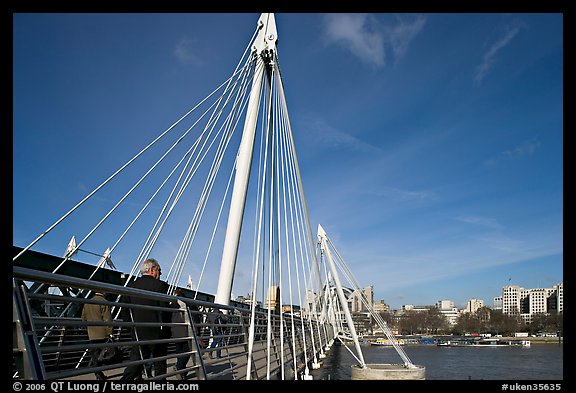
(420,265)
(526,149)
(482,221)
(185,53)
(365,38)
(489,57)
(356,33)
(403,33)
(406,195)
(330,137)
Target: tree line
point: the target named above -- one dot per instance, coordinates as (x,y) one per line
(483,321)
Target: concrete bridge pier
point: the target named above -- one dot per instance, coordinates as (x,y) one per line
(388,372)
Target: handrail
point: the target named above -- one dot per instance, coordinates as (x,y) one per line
(64,352)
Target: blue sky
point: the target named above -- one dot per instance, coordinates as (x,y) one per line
(430,145)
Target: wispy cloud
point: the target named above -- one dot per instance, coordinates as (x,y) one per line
(406,195)
(403,33)
(503,243)
(333,138)
(482,221)
(526,149)
(428,265)
(356,32)
(185,52)
(489,57)
(366,38)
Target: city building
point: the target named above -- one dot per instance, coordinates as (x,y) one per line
(447,309)
(273,299)
(525,303)
(473,305)
(381,307)
(556,299)
(497,303)
(355,303)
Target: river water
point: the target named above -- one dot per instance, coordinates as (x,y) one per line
(537,362)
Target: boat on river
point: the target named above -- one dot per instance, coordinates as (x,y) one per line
(384,342)
(496,342)
(484,342)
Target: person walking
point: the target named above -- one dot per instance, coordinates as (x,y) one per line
(97,334)
(182,346)
(217,320)
(149,280)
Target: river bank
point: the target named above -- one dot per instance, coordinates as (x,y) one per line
(431,340)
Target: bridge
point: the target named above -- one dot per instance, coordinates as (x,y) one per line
(195,172)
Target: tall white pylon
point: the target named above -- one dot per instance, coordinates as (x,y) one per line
(263,50)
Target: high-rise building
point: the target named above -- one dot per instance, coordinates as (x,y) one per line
(511,299)
(355,299)
(556,299)
(473,305)
(527,302)
(444,304)
(497,303)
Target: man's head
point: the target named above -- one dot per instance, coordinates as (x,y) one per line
(151,267)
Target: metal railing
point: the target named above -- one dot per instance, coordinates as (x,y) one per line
(50,338)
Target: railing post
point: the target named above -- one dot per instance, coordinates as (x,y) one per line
(32,366)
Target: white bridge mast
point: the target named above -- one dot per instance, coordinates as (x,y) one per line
(322,239)
(264,47)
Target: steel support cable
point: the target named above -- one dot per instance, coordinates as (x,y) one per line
(297,206)
(323,313)
(189,174)
(285,188)
(370,308)
(279,203)
(136,218)
(240,94)
(294,160)
(67,257)
(322,317)
(332,300)
(177,266)
(263,183)
(291,198)
(259,189)
(149,243)
(158,225)
(220,211)
(205,195)
(288,181)
(287,206)
(298,202)
(338,312)
(229,126)
(260,216)
(214,229)
(259,231)
(327,285)
(270,129)
(300,225)
(265,190)
(363,298)
(298,174)
(130,161)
